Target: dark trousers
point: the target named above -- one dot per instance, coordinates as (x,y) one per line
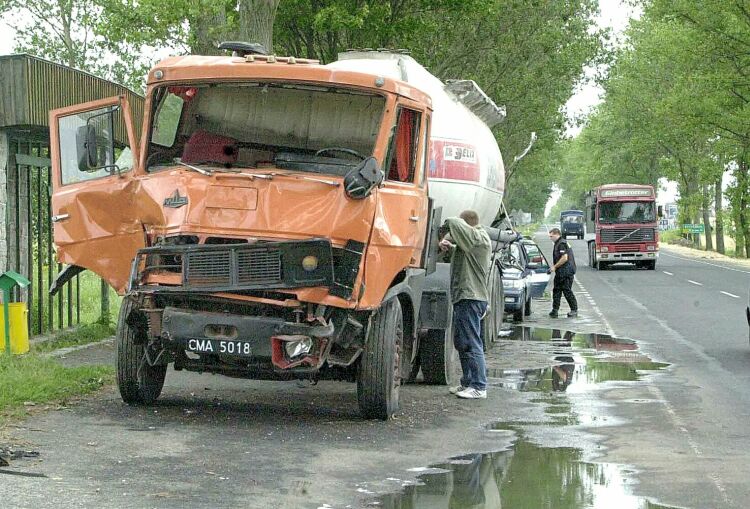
(467,338)
(563,286)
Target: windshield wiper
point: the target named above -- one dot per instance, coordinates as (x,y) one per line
(207,173)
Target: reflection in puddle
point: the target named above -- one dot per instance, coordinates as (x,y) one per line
(527,476)
(574,361)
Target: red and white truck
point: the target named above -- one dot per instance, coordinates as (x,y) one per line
(622,226)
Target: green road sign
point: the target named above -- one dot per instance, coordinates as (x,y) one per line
(693,228)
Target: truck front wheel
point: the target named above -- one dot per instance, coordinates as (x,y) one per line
(139,383)
(379,373)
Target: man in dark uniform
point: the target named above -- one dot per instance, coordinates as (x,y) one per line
(564,268)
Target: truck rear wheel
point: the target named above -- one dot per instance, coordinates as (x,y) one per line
(379,373)
(138,382)
(437,355)
(493,320)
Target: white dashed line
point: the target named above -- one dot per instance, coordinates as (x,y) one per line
(730,294)
(667,273)
(695,282)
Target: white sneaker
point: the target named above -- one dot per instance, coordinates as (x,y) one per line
(457,388)
(470,393)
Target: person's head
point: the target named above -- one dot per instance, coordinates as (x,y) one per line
(554,234)
(470,216)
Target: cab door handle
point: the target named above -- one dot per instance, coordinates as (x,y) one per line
(414,218)
(60,217)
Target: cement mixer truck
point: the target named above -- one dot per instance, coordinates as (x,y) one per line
(277,219)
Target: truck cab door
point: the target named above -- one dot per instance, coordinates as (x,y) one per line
(94,156)
(403,197)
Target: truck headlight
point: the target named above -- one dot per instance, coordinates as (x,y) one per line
(604,249)
(310,263)
(651,248)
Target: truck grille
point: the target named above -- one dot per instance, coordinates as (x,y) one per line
(627,235)
(236,267)
(216,268)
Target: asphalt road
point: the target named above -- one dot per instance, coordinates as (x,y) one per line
(690,312)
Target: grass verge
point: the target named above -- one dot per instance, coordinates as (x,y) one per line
(31,378)
(84,334)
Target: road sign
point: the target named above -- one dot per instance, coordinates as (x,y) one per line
(693,228)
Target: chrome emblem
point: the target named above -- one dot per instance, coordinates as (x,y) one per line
(175,201)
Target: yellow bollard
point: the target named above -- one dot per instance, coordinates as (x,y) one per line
(19,327)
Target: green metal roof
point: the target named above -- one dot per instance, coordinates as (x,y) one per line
(30,87)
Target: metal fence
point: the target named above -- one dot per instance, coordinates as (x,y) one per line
(30,245)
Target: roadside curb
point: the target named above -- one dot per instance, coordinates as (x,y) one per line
(70,349)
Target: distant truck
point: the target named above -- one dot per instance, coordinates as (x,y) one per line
(571,223)
(278,218)
(621,226)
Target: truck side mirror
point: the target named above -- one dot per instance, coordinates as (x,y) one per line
(86,148)
(360,181)
(660,211)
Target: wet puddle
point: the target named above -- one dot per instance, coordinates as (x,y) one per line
(552,360)
(525,477)
(565,368)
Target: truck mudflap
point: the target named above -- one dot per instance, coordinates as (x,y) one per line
(252,337)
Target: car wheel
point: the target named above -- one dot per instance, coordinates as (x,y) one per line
(379,373)
(138,382)
(518,315)
(527,310)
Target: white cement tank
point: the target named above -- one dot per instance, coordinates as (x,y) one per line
(466,168)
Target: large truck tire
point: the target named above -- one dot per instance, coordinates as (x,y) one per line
(438,357)
(493,320)
(651,265)
(139,383)
(379,373)
(592,256)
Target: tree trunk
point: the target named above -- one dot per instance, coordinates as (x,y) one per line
(208,31)
(105,317)
(744,202)
(706,219)
(718,211)
(256,21)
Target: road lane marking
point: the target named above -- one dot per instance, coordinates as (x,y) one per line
(667,273)
(694,282)
(730,294)
(662,253)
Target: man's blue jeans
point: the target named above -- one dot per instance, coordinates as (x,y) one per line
(467,338)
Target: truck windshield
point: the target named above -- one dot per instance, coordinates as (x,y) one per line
(320,129)
(571,219)
(626,212)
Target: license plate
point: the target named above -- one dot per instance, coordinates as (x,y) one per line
(220,346)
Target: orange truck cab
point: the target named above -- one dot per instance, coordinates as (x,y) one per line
(272,223)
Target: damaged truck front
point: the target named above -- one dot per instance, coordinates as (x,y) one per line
(272,223)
